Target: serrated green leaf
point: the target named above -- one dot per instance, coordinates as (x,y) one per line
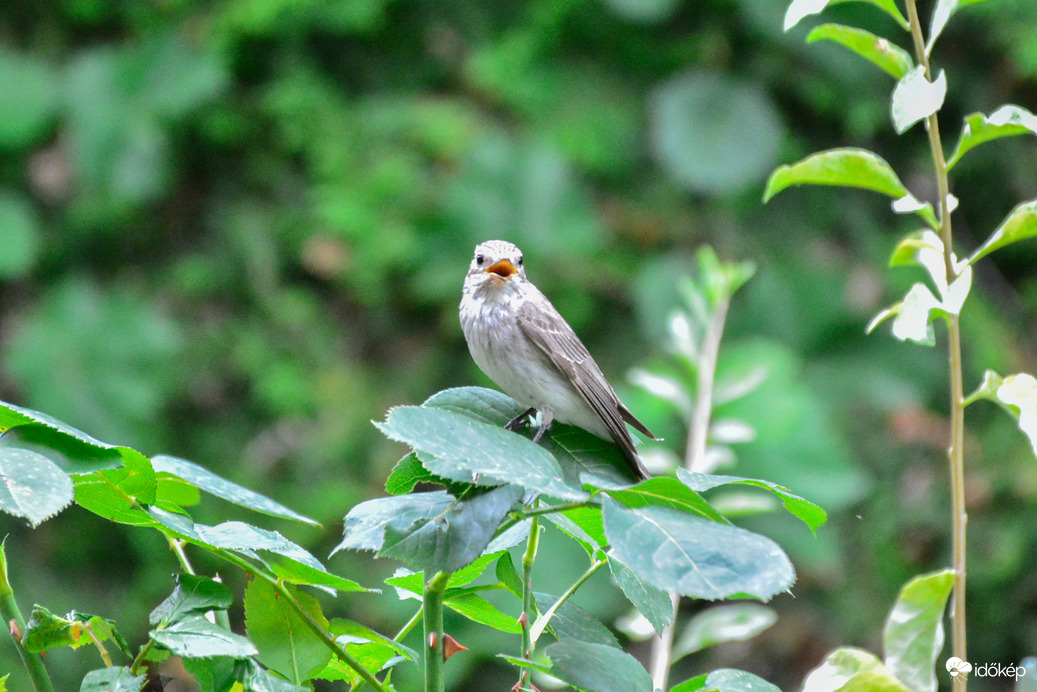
(667,492)
(508,575)
(804,510)
(112,679)
(847,167)
(852,670)
(942,13)
(588,459)
(408,472)
(95,494)
(733,622)
(570,621)
(488,405)
(799,9)
(464,448)
(192,594)
(1006,121)
(915,98)
(652,602)
(1021,224)
(220,487)
(913,636)
(893,59)
(478,609)
(32,486)
(196,637)
(677,551)
(286,644)
(454,538)
(364,526)
(597,667)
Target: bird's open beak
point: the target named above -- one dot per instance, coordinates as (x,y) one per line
(501,270)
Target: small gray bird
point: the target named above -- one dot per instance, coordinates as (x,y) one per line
(524,345)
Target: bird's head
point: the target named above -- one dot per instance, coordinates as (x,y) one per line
(497,264)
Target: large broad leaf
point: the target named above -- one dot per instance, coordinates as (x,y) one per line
(488,405)
(196,637)
(915,98)
(454,538)
(365,523)
(848,167)
(799,9)
(32,486)
(852,670)
(650,601)
(913,637)
(286,644)
(597,667)
(677,551)
(1006,121)
(809,513)
(193,594)
(1020,225)
(221,487)
(890,57)
(463,448)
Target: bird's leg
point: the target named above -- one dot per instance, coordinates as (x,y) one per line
(521,420)
(548,416)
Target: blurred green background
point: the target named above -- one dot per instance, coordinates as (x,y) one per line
(236,232)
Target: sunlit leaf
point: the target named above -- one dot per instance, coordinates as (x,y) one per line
(915,98)
(1006,121)
(942,13)
(890,57)
(722,623)
(913,636)
(1020,392)
(846,167)
(32,486)
(193,594)
(196,637)
(852,670)
(799,9)
(1021,224)
(804,510)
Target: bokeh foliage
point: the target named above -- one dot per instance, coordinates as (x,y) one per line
(235,232)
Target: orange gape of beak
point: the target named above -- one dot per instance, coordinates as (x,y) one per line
(502,269)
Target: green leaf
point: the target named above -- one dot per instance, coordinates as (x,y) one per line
(804,510)
(799,9)
(735,622)
(220,487)
(32,94)
(915,98)
(478,609)
(597,667)
(286,644)
(1006,121)
(32,486)
(96,494)
(713,134)
(405,476)
(587,459)
(853,670)
(890,57)
(571,621)
(256,679)
(193,594)
(45,630)
(212,674)
(113,679)
(843,167)
(20,230)
(1021,224)
(365,524)
(667,492)
(1018,393)
(454,538)
(175,490)
(727,680)
(677,551)
(590,543)
(488,405)
(652,602)
(374,651)
(508,575)
(196,637)
(942,13)
(913,636)
(463,448)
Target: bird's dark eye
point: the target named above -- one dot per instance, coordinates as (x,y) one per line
(520,260)
(479,259)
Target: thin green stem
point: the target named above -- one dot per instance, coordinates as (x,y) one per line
(433,644)
(13,617)
(542,622)
(528,613)
(956,451)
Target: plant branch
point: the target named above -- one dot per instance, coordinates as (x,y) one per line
(528,558)
(956,452)
(541,622)
(432,646)
(13,617)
